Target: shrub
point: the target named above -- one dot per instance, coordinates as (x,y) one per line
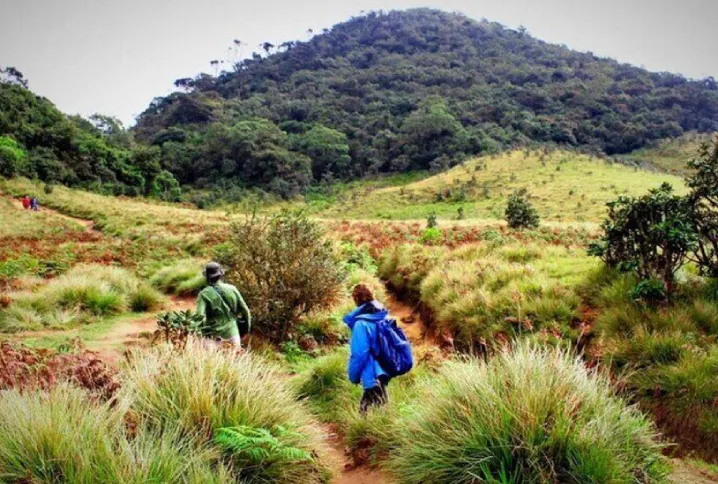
(205,390)
(283,268)
(651,290)
(177,326)
(704,203)
(650,235)
(432,236)
(528,415)
(520,213)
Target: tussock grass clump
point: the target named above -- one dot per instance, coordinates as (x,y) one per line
(86,291)
(405,266)
(479,293)
(203,391)
(530,415)
(182,278)
(683,399)
(63,436)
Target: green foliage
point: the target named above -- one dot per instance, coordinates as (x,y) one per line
(650,235)
(328,149)
(531,415)
(12,157)
(431,221)
(520,213)
(183,278)
(284,269)
(38,141)
(251,448)
(254,151)
(356,257)
(422,89)
(649,290)
(704,202)
(61,435)
(431,235)
(177,326)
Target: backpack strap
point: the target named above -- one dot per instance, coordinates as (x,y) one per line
(223,298)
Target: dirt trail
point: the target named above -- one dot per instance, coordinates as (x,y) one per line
(685,473)
(126,334)
(410,320)
(88,225)
(344,471)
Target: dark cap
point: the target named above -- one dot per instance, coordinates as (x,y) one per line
(213,271)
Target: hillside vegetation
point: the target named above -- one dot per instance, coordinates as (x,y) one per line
(670,155)
(410,90)
(39,141)
(384,92)
(563,186)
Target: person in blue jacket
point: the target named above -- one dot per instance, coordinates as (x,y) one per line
(363,367)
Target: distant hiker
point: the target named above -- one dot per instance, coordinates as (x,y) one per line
(26,202)
(379,349)
(223,308)
(33,204)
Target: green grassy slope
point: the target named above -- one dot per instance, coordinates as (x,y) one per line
(671,155)
(564,186)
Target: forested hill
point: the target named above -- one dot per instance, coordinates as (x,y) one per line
(411,89)
(39,141)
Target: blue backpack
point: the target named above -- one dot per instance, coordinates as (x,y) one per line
(393,350)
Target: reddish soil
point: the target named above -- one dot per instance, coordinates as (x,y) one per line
(344,470)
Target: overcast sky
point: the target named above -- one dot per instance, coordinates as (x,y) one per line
(114,56)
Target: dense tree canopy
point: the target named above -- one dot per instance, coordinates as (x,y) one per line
(418,89)
(38,141)
(423,88)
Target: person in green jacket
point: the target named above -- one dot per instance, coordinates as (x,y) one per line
(221,304)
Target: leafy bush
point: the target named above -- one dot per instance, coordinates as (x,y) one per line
(205,390)
(176,327)
(651,290)
(520,213)
(284,269)
(12,157)
(432,236)
(704,202)
(528,415)
(356,257)
(650,235)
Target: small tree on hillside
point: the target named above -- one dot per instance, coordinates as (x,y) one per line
(284,269)
(520,213)
(704,203)
(650,235)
